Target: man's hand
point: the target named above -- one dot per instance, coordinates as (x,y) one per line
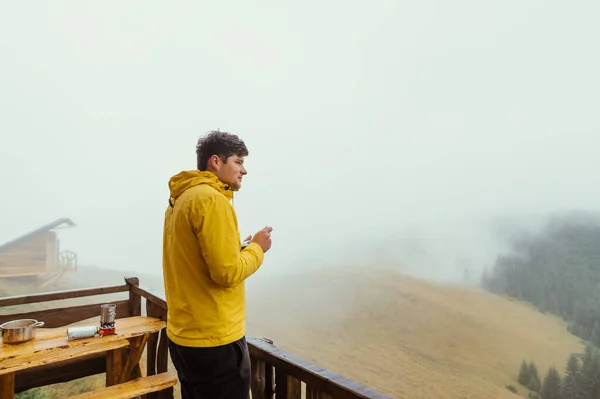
(263,238)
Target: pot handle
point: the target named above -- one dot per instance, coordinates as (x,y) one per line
(38,324)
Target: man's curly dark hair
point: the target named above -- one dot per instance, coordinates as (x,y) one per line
(218,143)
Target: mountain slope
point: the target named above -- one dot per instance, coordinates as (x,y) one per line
(406,337)
(402,336)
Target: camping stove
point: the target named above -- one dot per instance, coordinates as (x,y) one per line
(107,319)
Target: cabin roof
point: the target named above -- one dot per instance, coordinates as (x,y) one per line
(64,222)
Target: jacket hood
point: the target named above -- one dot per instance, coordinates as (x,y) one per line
(191,178)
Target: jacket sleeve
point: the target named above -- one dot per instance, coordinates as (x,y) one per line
(218,236)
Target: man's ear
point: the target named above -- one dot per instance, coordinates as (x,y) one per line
(214,162)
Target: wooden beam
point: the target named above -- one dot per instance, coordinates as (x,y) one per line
(286,386)
(135,299)
(64,371)
(151,295)
(133,356)
(257,378)
(58,295)
(152,345)
(133,388)
(53,354)
(269,381)
(318,378)
(35,273)
(16,256)
(115,360)
(63,316)
(312,393)
(7,386)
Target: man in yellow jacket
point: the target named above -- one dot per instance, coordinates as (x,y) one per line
(204,269)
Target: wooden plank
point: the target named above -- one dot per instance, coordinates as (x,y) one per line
(39,248)
(162,362)
(133,388)
(40,242)
(43,342)
(133,357)
(54,373)
(313,393)
(286,386)
(33,244)
(320,378)
(21,263)
(158,355)
(28,269)
(53,338)
(59,317)
(135,299)
(269,380)
(58,353)
(152,344)
(294,388)
(280,385)
(51,257)
(151,295)
(114,366)
(162,356)
(15,259)
(7,386)
(29,245)
(257,379)
(162,352)
(53,296)
(37,272)
(154,310)
(12,265)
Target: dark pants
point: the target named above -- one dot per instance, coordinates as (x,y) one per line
(220,372)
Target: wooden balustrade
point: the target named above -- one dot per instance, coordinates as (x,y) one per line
(276,374)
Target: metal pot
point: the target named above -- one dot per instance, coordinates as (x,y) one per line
(17,331)
(108,312)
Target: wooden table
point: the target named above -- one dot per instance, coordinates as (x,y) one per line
(123,351)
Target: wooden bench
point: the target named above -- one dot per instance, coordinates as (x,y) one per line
(133,388)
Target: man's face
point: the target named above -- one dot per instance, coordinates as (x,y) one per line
(232,171)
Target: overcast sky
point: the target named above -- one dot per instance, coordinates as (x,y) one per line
(379,131)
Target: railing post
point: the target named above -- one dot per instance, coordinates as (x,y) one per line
(152,345)
(158,350)
(261,383)
(135,300)
(286,386)
(315,393)
(269,380)
(257,381)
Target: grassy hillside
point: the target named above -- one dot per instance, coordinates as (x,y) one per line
(402,336)
(406,337)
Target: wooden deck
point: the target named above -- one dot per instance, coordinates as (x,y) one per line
(275,373)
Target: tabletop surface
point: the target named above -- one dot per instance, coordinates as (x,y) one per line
(51,345)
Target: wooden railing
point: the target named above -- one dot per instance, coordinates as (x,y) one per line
(67,260)
(275,373)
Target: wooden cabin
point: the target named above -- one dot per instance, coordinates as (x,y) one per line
(38,254)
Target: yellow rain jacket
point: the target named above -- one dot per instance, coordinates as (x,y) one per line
(203,266)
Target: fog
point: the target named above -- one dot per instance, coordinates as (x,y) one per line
(405,134)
